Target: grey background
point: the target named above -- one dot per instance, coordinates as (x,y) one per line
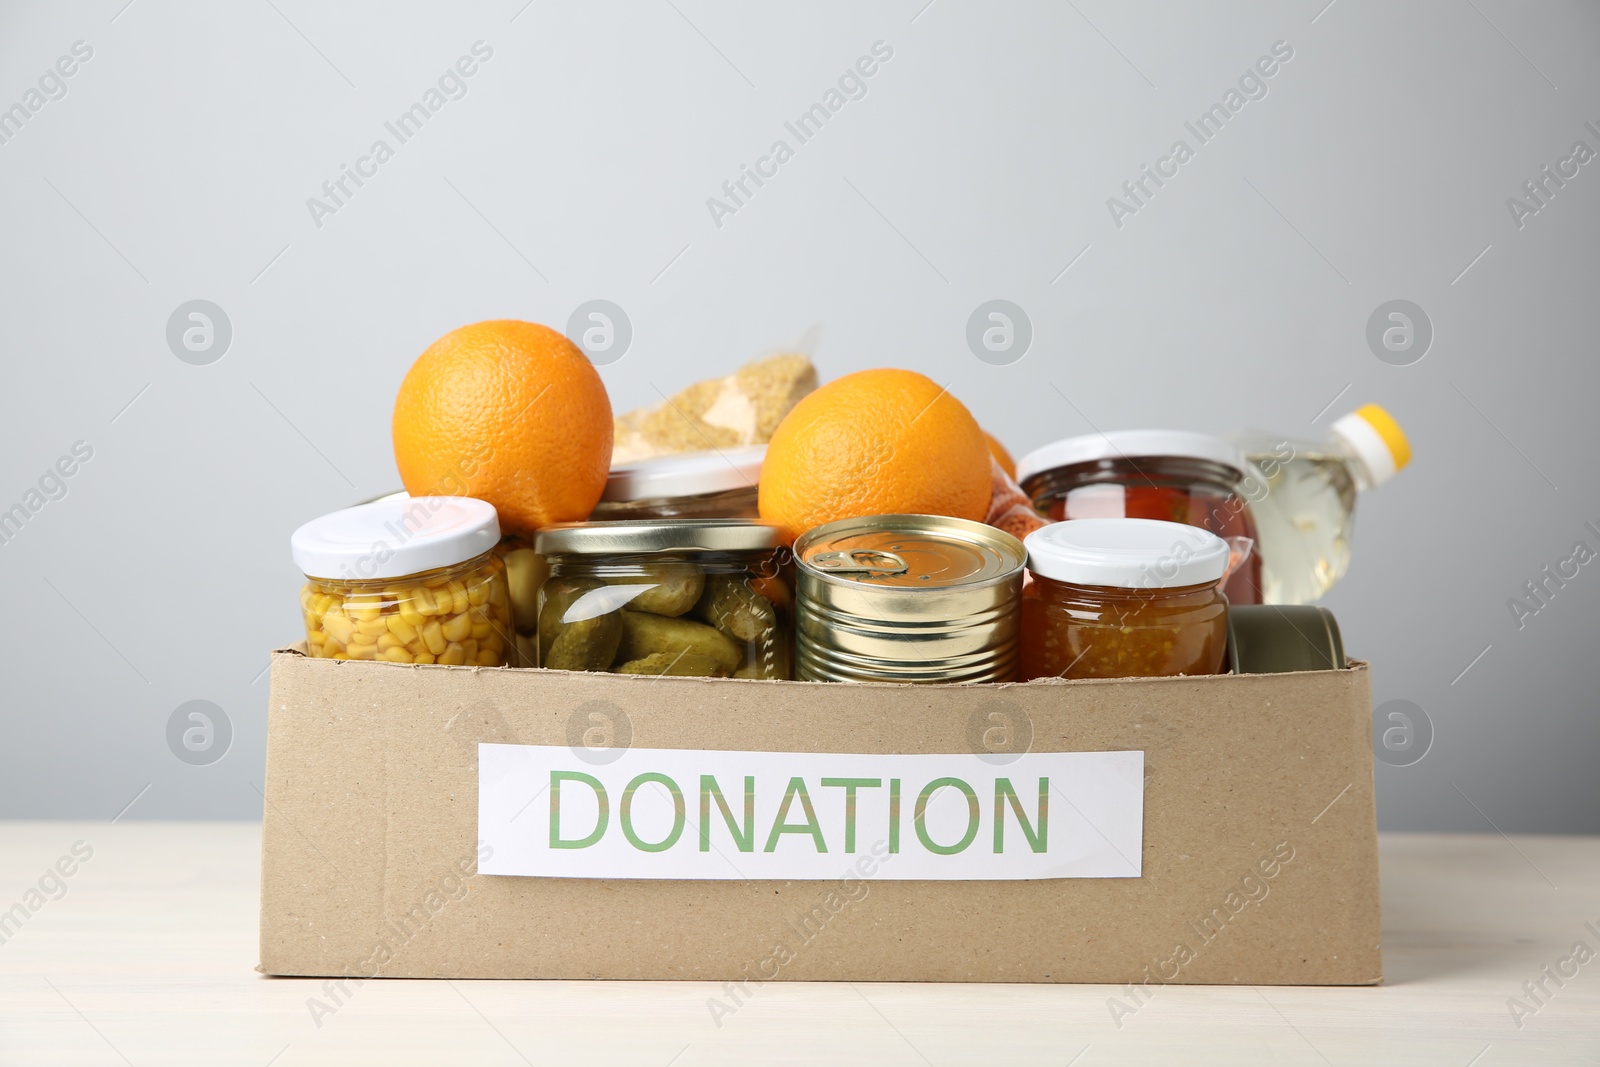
(178,165)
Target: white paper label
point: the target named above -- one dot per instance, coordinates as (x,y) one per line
(560,812)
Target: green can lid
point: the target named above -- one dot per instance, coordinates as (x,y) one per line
(1280,638)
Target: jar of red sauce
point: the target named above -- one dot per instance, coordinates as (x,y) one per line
(1168,475)
(1123,598)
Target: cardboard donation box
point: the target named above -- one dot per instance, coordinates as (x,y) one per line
(455,822)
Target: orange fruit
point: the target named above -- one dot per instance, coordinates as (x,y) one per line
(509,412)
(1001,456)
(875,442)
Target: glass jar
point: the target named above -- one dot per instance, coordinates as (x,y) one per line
(668,596)
(1169,475)
(691,485)
(409,580)
(1123,598)
(526,572)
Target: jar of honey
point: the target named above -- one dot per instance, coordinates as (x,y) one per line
(1169,475)
(406,580)
(1123,598)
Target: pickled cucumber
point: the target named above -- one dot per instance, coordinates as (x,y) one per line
(586,645)
(768,657)
(559,595)
(683,664)
(739,611)
(676,588)
(644,634)
(774,664)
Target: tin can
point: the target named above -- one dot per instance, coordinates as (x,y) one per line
(1279,638)
(907,598)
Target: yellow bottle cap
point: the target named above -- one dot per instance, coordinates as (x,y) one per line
(1393,436)
(1377,440)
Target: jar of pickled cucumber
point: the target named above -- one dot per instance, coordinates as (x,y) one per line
(667,596)
(408,580)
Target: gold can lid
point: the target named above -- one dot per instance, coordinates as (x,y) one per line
(910,551)
(632,537)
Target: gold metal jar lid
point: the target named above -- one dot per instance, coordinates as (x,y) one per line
(636,537)
(913,551)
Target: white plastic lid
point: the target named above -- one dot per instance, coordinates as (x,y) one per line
(1127,444)
(1126,553)
(686,474)
(394,537)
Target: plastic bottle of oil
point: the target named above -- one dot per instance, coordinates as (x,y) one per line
(1305,507)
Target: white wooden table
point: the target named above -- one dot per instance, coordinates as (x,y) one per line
(148,957)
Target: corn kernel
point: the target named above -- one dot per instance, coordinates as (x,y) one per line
(458,628)
(493,643)
(488,659)
(480,630)
(407,611)
(433,637)
(365,609)
(422,657)
(423,601)
(478,592)
(455,655)
(401,628)
(461,601)
(338,626)
(362,652)
(469,648)
(372,627)
(396,655)
(387,640)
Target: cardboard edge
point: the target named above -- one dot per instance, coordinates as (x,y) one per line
(1352,668)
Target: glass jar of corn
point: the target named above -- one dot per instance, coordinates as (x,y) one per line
(413,580)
